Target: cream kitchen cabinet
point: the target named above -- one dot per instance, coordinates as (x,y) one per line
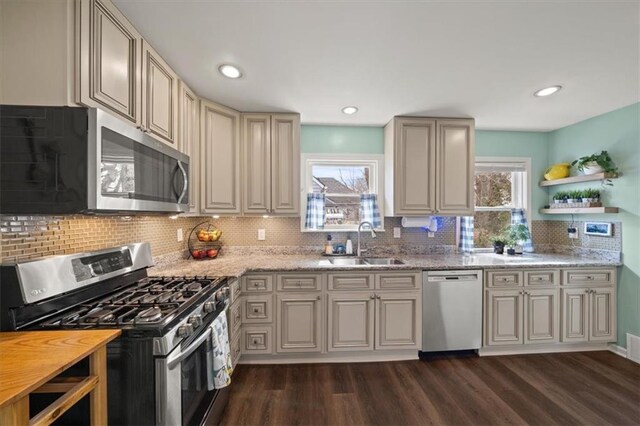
(380,320)
(188,141)
(299,322)
(521,316)
(159,97)
(219,159)
(429,166)
(589,314)
(271,164)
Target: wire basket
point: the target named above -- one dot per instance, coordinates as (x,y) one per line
(204,241)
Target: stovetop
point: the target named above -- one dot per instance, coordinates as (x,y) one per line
(150,303)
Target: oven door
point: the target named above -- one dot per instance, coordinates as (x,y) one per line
(131,171)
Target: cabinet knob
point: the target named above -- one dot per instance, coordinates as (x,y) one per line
(319,297)
(373,296)
(255,309)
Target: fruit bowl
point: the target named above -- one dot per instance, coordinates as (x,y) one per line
(204,242)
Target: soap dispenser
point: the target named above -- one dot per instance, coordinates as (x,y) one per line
(349,249)
(328,248)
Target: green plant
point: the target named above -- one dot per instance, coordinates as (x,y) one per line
(575,195)
(516,233)
(591,193)
(498,240)
(603,160)
(560,195)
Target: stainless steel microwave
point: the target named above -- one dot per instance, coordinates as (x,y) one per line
(66,160)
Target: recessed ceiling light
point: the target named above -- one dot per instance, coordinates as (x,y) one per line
(547,91)
(350,110)
(230,71)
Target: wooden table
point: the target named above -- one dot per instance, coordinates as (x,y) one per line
(30,362)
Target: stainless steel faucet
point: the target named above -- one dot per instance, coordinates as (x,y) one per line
(359,251)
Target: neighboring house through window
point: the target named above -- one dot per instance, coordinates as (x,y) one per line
(342,178)
(501,184)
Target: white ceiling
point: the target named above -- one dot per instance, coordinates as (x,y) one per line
(480,59)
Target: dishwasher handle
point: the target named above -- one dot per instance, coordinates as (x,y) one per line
(452,278)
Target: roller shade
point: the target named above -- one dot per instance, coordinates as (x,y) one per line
(500,167)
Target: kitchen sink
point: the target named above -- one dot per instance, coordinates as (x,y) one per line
(347,262)
(383,261)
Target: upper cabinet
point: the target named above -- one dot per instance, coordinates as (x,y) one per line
(429,166)
(271,164)
(188,140)
(219,159)
(109,60)
(159,97)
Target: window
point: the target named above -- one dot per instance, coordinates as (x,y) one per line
(501,184)
(342,178)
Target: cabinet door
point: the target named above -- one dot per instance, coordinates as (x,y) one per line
(575,315)
(256,152)
(298,322)
(189,142)
(351,322)
(503,317)
(455,167)
(415,166)
(602,315)
(159,97)
(219,159)
(109,50)
(541,316)
(285,164)
(398,321)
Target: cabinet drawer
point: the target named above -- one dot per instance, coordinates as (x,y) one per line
(257,340)
(235,289)
(589,276)
(299,282)
(257,283)
(257,309)
(235,319)
(543,277)
(350,281)
(504,278)
(399,280)
(235,351)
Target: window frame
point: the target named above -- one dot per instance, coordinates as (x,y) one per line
(520,199)
(376,183)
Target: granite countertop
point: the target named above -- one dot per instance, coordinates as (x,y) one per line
(236,265)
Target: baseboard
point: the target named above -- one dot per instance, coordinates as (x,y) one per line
(618,350)
(331,357)
(542,349)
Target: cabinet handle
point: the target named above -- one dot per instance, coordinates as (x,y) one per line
(593,291)
(319,297)
(372,296)
(255,310)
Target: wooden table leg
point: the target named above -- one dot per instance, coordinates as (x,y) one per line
(98,367)
(16,413)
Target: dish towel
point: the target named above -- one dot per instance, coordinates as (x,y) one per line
(221,351)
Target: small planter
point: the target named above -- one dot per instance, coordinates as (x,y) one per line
(558,201)
(511,251)
(592,168)
(498,248)
(571,200)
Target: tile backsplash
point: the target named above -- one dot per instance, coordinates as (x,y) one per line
(28,237)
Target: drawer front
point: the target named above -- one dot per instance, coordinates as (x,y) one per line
(235,351)
(257,340)
(504,278)
(257,309)
(399,280)
(235,290)
(257,283)
(235,319)
(542,277)
(299,282)
(589,276)
(350,281)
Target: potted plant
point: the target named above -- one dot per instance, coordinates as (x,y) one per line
(590,195)
(571,197)
(498,244)
(515,235)
(595,163)
(559,197)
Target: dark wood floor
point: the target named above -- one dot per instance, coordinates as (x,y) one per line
(594,388)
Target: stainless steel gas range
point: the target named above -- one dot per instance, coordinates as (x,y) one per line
(160,369)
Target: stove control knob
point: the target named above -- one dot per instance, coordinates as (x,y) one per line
(185,330)
(195,320)
(209,307)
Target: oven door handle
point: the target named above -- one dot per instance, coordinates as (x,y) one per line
(175,359)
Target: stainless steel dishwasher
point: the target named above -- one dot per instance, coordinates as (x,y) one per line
(451,310)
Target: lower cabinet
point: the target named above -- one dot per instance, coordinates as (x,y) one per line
(368,321)
(298,322)
(589,314)
(521,316)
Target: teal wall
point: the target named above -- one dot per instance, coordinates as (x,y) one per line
(341,139)
(519,144)
(619,133)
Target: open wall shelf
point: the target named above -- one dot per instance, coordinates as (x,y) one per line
(578,179)
(582,210)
